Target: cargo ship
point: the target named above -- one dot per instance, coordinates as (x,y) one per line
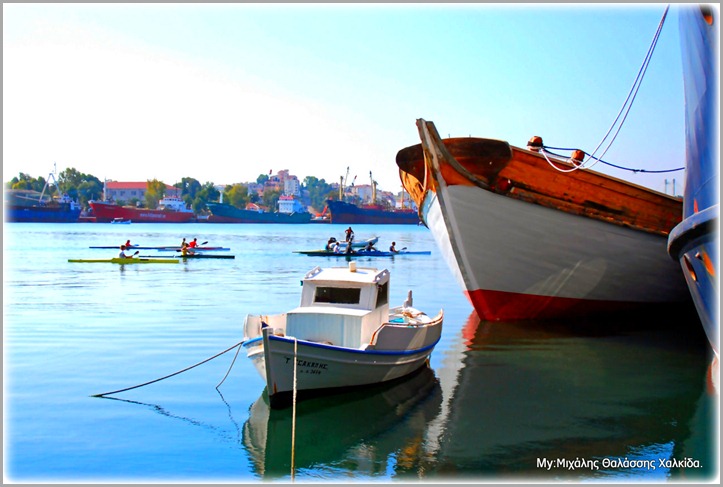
(170,209)
(29,206)
(373,214)
(225,213)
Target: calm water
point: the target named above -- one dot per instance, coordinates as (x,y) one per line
(613,402)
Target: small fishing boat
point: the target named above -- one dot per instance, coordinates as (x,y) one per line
(362,253)
(354,245)
(343,334)
(126,260)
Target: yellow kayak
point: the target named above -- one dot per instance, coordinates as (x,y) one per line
(127,260)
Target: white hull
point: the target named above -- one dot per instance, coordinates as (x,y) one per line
(320,366)
(517,260)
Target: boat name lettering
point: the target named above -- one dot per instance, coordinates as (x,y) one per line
(154,215)
(304,363)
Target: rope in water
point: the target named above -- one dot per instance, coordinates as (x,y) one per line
(170,375)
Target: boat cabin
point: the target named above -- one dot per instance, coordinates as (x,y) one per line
(341,306)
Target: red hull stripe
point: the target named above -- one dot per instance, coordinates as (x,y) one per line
(505,306)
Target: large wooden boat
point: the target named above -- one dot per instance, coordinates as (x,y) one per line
(527,241)
(695,241)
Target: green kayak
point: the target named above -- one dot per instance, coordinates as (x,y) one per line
(127,260)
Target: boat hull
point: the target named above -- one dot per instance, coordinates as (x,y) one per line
(518,260)
(223,213)
(359,253)
(326,367)
(346,213)
(694,243)
(42,214)
(107,212)
(123,261)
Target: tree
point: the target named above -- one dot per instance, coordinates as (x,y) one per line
(24,181)
(262,178)
(236,195)
(271,199)
(79,186)
(155,191)
(319,191)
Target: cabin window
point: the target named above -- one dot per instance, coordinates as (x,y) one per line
(337,295)
(382,294)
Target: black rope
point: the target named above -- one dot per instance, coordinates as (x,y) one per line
(169,375)
(610,163)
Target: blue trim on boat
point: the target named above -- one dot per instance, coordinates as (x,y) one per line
(344,349)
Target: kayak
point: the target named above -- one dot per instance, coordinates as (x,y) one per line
(200,256)
(361,253)
(169,248)
(127,260)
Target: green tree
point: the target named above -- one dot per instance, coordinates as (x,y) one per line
(271,199)
(25,181)
(80,186)
(262,178)
(189,189)
(236,195)
(155,191)
(319,191)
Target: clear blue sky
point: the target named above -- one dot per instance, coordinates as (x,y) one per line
(226,92)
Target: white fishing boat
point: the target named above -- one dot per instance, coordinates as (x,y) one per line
(343,334)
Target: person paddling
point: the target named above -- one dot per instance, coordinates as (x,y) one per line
(122,254)
(393,248)
(193,243)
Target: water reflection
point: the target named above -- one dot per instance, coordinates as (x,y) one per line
(523,392)
(366,431)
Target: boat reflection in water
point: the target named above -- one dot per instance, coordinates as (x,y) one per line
(367,431)
(524,393)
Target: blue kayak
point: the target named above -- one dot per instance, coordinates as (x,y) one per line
(361,253)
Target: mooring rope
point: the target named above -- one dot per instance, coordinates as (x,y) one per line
(230,366)
(170,375)
(293,416)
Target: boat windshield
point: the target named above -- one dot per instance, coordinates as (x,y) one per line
(337,295)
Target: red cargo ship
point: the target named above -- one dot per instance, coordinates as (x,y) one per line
(170,210)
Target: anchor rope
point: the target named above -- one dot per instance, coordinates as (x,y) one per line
(293,417)
(170,375)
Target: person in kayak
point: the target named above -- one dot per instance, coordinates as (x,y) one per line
(128,244)
(393,248)
(186,249)
(122,253)
(193,243)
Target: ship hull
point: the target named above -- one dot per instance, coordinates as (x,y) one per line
(345,213)
(694,243)
(223,213)
(41,214)
(526,249)
(106,212)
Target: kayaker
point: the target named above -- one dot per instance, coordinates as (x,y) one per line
(185,249)
(330,244)
(128,244)
(122,254)
(193,243)
(370,246)
(393,248)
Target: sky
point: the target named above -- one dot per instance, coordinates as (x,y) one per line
(225,92)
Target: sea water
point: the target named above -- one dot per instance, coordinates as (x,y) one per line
(620,400)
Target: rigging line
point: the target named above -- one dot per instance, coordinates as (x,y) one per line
(634,88)
(169,375)
(547,151)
